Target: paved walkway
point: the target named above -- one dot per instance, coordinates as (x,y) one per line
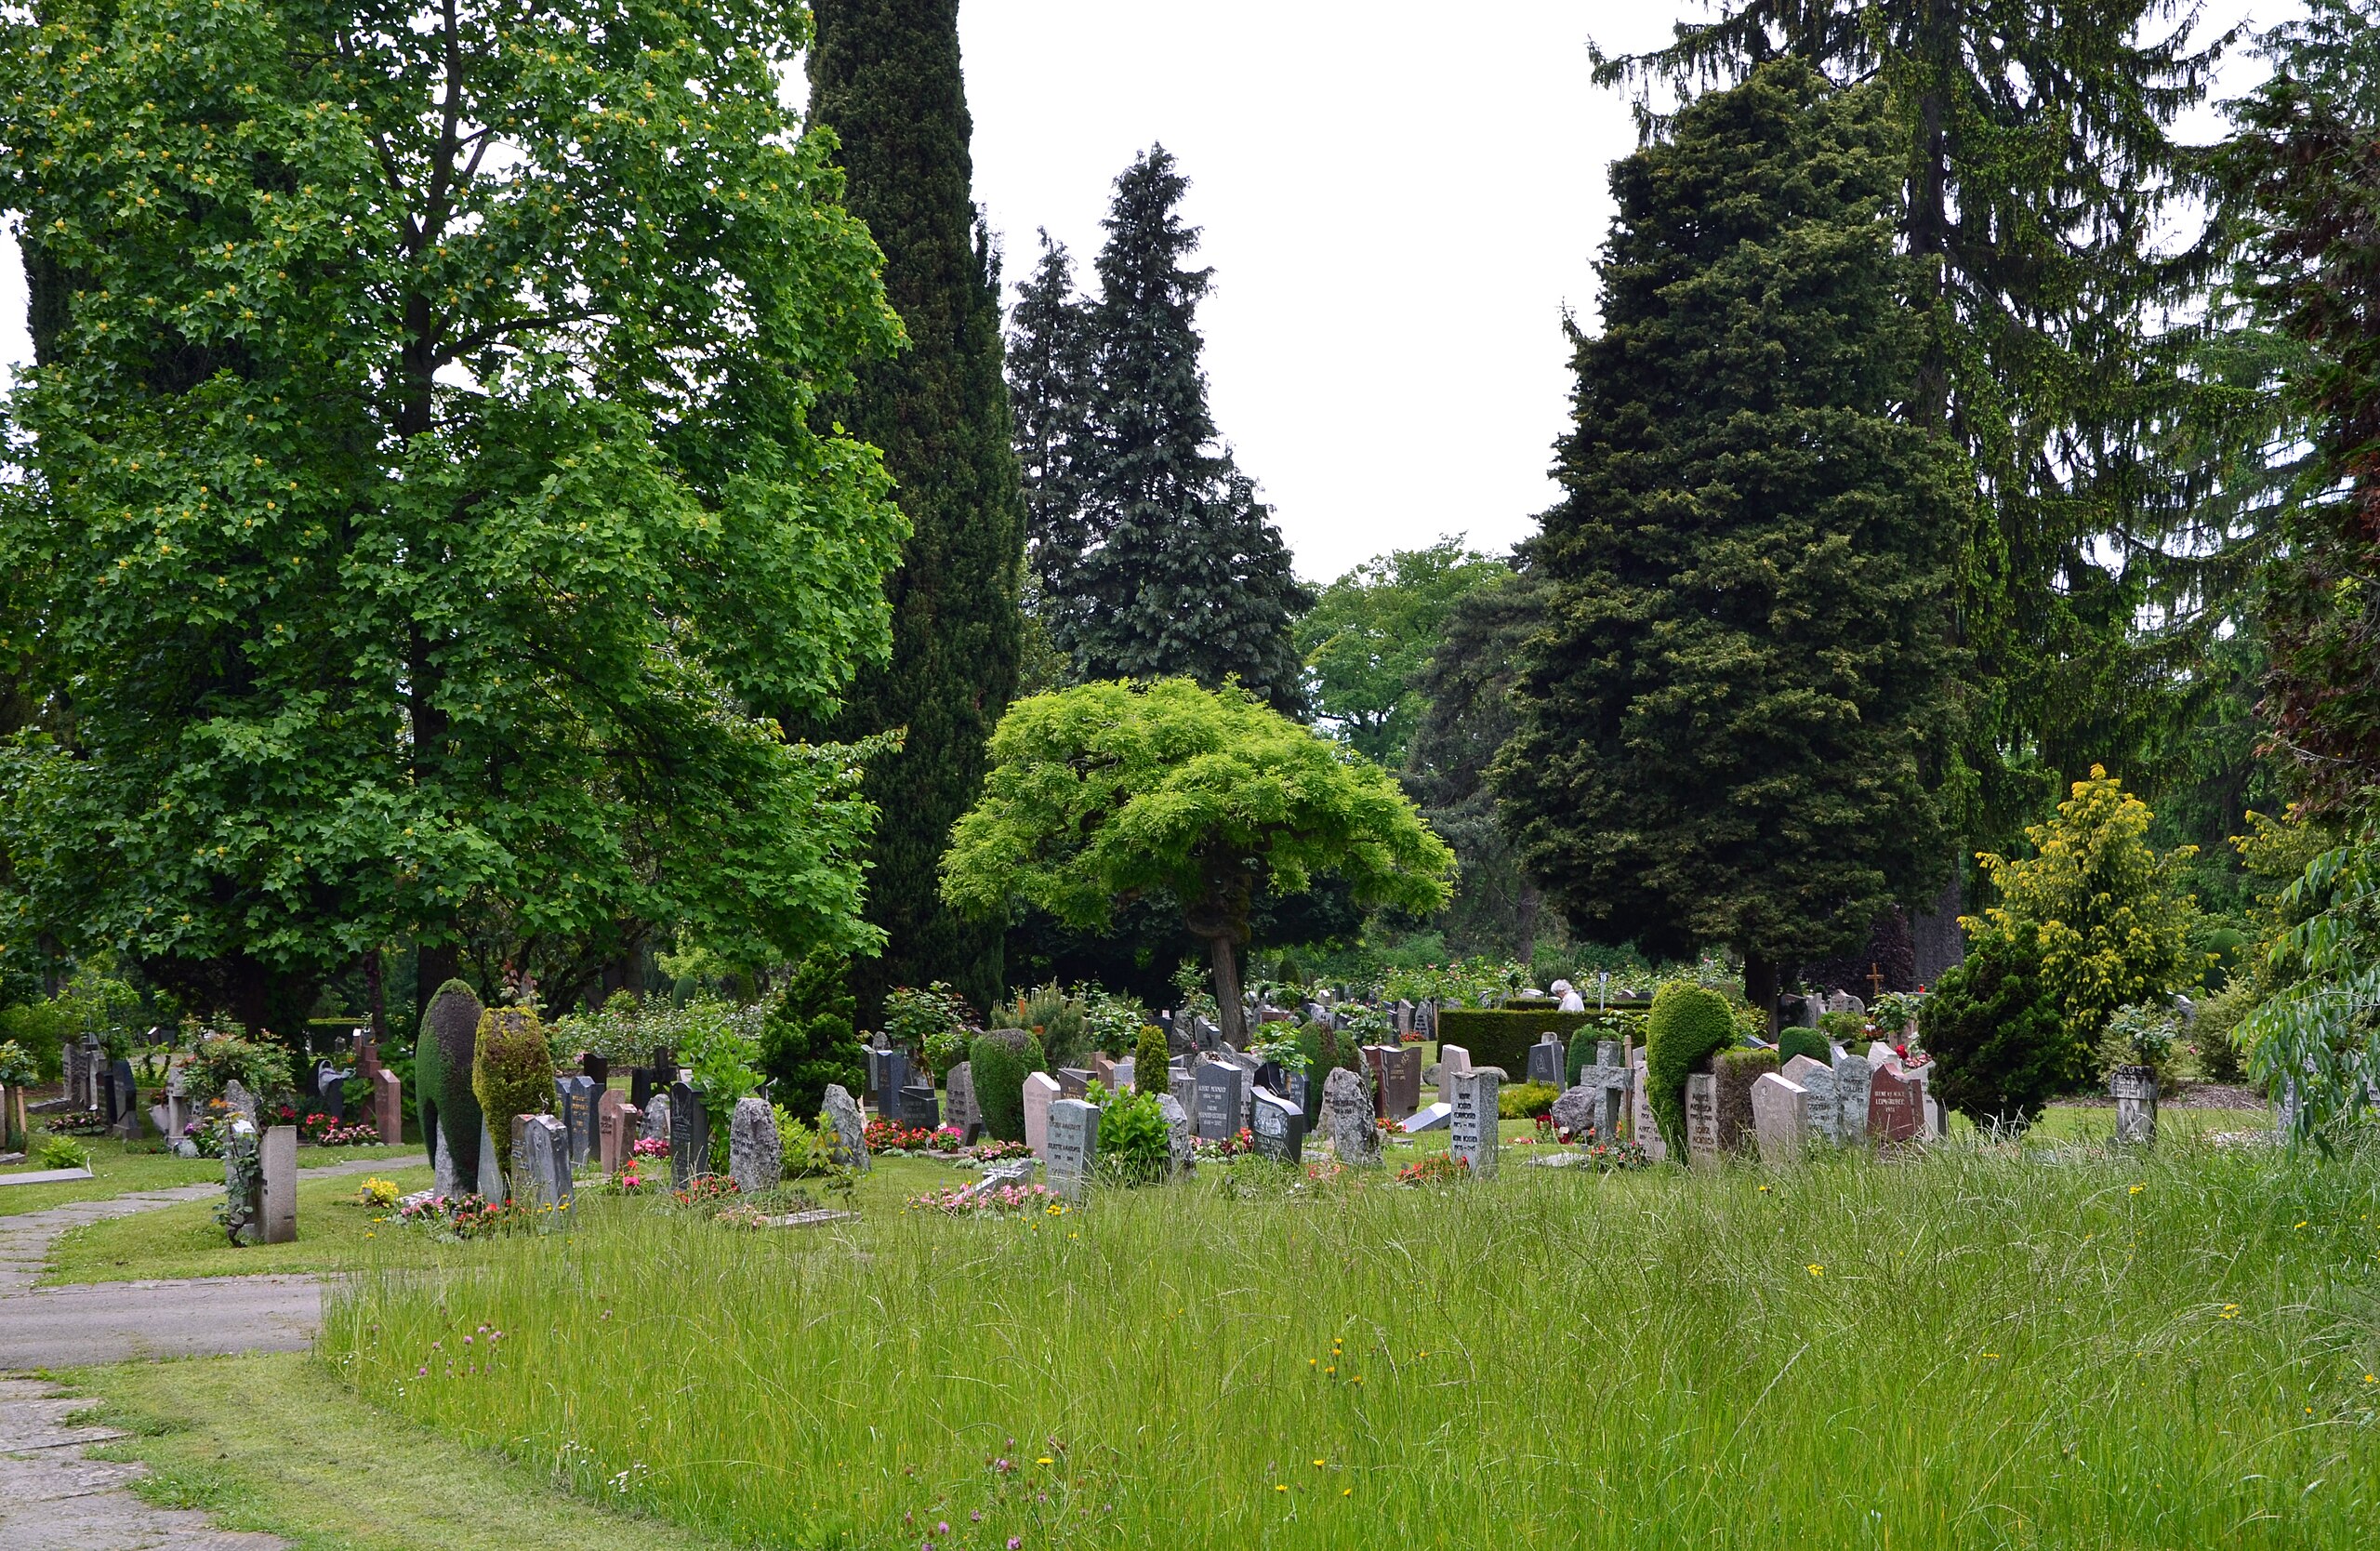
(53,1499)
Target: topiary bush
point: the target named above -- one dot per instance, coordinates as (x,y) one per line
(442,1078)
(513,1073)
(811,1036)
(1737,1071)
(1000,1062)
(1686,1024)
(1811,1042)
(2001,1048)
(1152,1064)
(1581,1052)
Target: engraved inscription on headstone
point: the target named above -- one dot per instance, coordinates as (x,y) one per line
(1219,1102)
(1702,1119)
(1472,1128)
(1278,1132)
(1074,1144)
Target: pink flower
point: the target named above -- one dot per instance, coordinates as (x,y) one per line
(941,1528)
(1015,1543)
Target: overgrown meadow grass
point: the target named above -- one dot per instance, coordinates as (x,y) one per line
(1971,1350)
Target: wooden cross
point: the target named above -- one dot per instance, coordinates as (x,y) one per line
(1876,976)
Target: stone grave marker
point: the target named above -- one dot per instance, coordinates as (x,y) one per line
(1546,1061)
(1218,1086)
(1074,1146)
(389,1106)
(1103,1069)
(2135,1091)
(540,1162)
(653,1114)
(1895,1107)
(754,1152)
(1853,1081)
(279,1153)
(1278,1132)
(241,1102)
(841,1114)
(491,1185)
(966,1117)
(917,1108)
(1780,1117)
(1844,1002)
(1816,1078)
(1404,1018)
(1642,1128)
(1040,1093)
(1400,1071)
(595,1068)
(1073,1082)
(1453,1061)
(1702,1119)
(242,1183)
(1472,1134)
(575,1099)
(1178,1135)
(689,1133)
(1182,1089)
(1349,1122)
(130,1124)
(1433,1117)
(615,1141)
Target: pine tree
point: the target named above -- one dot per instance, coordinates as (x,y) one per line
(1048,385)
(1181,571)
(885,77)
(1726,726)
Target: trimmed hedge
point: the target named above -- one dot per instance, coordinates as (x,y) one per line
(1500,1038)
(1000,1062)
(1811,1042)
(1687,1024)
(442,1075)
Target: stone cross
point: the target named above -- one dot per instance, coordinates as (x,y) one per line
(754,1152)
(1040,1093)
(2135,1091)
(1472,1136)
(1074,1144)
(279,1153)
(1780,1118)
(1279,1129)
(840,1114)
(1702,1119)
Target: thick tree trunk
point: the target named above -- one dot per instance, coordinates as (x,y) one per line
(1762,982)
(1224,952)
(432,968)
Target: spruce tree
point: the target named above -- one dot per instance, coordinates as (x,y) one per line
(1049,384)
(885,77)
(1181,571)
(1727,725)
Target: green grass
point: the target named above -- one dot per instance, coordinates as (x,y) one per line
(121,1168)
(1975,1349)
(185,1240)
(279,1444)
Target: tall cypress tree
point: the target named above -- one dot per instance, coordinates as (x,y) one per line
(1727,724)
(884,75)
(1179,569)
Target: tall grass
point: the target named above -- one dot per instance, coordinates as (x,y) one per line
(1974,1349)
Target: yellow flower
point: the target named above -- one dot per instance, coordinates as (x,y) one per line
(1317,1464)
(2300,1223)
(2138,1189)
(1817,1270)
(1346,1492)
(1046,1460)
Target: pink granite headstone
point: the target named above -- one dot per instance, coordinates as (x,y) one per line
(1895,1107)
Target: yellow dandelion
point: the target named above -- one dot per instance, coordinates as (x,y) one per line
(1817,1270)
(1317,1464)
(1280,1487)
(1045,1460)
(2138,1189)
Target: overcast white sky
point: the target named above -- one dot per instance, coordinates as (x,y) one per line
(1399,200)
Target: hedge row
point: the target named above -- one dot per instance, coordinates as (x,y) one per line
(1496,1038)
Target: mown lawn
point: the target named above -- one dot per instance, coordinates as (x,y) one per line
(121,1168)
(1975,1349)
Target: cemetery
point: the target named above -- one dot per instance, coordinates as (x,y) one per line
(698,854)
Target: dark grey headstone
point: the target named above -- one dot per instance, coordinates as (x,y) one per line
(841,1113)
(575,1101)
(596,1069)
(754,1152)
(689,1133)
(917,1108)
(540,1161)
(330,1089)
(1349,1123)
(1278,1127)
(1545,1062)
(1073,1082)
(1219,1101)
(966,1114)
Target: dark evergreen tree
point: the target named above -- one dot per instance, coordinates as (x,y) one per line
(1049,388)
(884,75)
(1181,571)
(1728,726)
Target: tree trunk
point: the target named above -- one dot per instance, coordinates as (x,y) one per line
(1762,984)
(1224,954)
(432,968)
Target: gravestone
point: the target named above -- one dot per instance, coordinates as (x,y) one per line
(93,1091)
(389,1106)
(1074,1146)
(1401,1081)
(278,1151)
(891,1076)
(1278,1132)
(1430,1118)
(595,1068)
(575,1099)
(1348,1121)
(1306,1094)
(1642,1128)
(654,1122)
(1702,1119)
(242,1184)
(1073,1082)
(1103,1069)
(1128,1074)
(1844,1002)
(614,1139)
(643,1083)
(1219,1103)
(1896,1106)
(1273,1078)
(1853,1081)
(689,1134)
(240,1101)
(849,1141)
(129,1122)
(330,1092)
(1472,1136)
(178,1109)
(2135,1091)
(966,1117)
(1182,1089)
(1040,1093)
(1780,1118)
(491,1185)
(1816,1078)
(1178,1134)
(540,1162)
(1546,1061)
(443,1179)
(1453,1061)
(1404,1018)
(917,1108)
(754,1152)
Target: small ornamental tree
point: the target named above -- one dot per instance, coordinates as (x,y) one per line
(999,1067)
(2001,1047)
(1152,1063)
(513,1073)
(1686,1024)
(1109,793)
(811,1037)
(2113,925)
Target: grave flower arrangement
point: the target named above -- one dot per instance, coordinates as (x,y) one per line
(882,1135)
(958,1200)
(998,1151)
(450,1218)
(325,1132)
(1438,1168)
(1230,1147)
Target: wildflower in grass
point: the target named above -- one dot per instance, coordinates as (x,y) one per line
(1280,1487)
(1015,1543)
(2230,1311)
(2138,1189)
(1817,1270)
(1045,1460)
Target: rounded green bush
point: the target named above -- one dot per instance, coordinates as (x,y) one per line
(999,1063)
(1686,1024)
(513,1073)
(2001,1050)
(1811,1042)
(811,1037)
(1525,1101)
(1152,1061)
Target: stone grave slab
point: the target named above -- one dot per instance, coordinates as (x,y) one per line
(1040,1093)
(1074,1146)
(1472,1134)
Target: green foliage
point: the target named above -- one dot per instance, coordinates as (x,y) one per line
(1062,1023)
(2001,1049)
(1843,1027)
(1730,727)
(1152,1061)
(809,1150)
(2143,1034)
(1370,632)
(885,78)
(999,1068)
(1736,1070)
(1110,792)
(811,1037)
(1580,1054)
(2112,926)
(260,1066)
(1525,1101)
(1812,1042)
(513,1073)
(724,1050)
(18,1067)
(443,1065)
(61,1152)
(2319,1033)
(1134,1142)
(916,1019)
(1114,1021)
(1686,1024)
(426,524)
(1502,1039)
(95,1001)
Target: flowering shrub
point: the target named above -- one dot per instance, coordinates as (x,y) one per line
(1609,1157)
(649,1146)
(707,1192)
(1436,1169)
(376,1192)
(956,1201)
(325,1132)
(881,1135)
(1230,1147)
(452,1217)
